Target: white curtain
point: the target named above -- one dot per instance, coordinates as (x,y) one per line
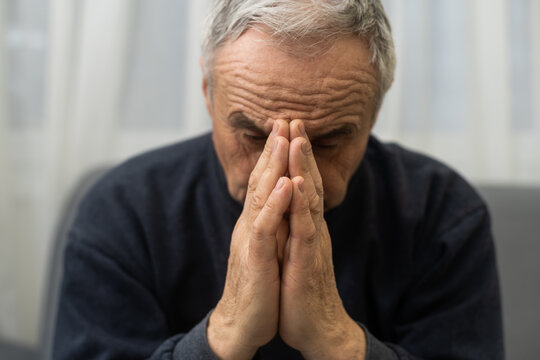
(119,77)
(91,82)
(467,86)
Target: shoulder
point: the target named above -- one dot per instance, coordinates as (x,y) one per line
(180,159)
(421,188)
(141,192)
(154,171)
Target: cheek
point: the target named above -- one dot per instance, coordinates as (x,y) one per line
(238,161)
(238,178)
(334,182)
(241,165)
(336,172)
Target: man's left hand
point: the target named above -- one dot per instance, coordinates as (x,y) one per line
(312,317)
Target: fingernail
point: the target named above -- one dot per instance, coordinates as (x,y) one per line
(305,147)
(280,184)
(275,127)
(302,129)
(301,186)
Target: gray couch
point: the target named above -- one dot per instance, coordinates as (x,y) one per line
(516,225)
(515,216)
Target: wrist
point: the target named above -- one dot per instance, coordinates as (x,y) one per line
(225,340)
(346,340)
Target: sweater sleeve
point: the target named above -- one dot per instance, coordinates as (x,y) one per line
(376,349)
(195,344)
(106,313)
(452,309)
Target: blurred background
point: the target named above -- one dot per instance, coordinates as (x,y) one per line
(85,83)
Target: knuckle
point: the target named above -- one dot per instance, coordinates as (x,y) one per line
(305,208)
(314,200)
(268,147)
(307,237)
(258,230)
(256,202)
(252,182)
(309,148)
(270,165)
(317,181)
(310,236)
(270,205)
(316,211)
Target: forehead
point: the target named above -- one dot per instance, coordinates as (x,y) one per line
(253,72)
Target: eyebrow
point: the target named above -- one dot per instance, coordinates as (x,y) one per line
(240,121)
(343,130)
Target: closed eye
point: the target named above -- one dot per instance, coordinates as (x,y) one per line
(333,138)
(256,138)
(324,145)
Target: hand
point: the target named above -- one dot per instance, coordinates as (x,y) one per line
(246,317)
(312,317)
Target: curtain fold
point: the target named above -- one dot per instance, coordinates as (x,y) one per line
(6,263)
(85,89)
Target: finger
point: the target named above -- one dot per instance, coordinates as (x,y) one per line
(297,130)
(275,168)
(279,128)
(298,166)
(303,232)
(266,153)
(283,128)
(263,242)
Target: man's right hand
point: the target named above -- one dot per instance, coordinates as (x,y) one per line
(246,317)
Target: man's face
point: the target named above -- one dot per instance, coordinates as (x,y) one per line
(255,84)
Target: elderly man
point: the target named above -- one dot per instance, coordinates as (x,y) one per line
(289,232)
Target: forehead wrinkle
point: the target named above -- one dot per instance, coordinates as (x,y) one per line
(245,75)
(338,106)
(289,91)
(263,116)
(321,85)
(330,96)
(257,81)
(277,101)
(261,112)
(279,98)
(273,93)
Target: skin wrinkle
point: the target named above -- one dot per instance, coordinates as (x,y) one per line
(248,76)
(283,102)
(332,117)
(242,106)
(330,84)
(336,88)
(241,69)
(362,82)
(273,106)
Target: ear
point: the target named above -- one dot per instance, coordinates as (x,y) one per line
(205,89)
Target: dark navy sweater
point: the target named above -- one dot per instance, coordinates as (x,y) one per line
(147,257)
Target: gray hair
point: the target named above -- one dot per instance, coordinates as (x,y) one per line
(295,21)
